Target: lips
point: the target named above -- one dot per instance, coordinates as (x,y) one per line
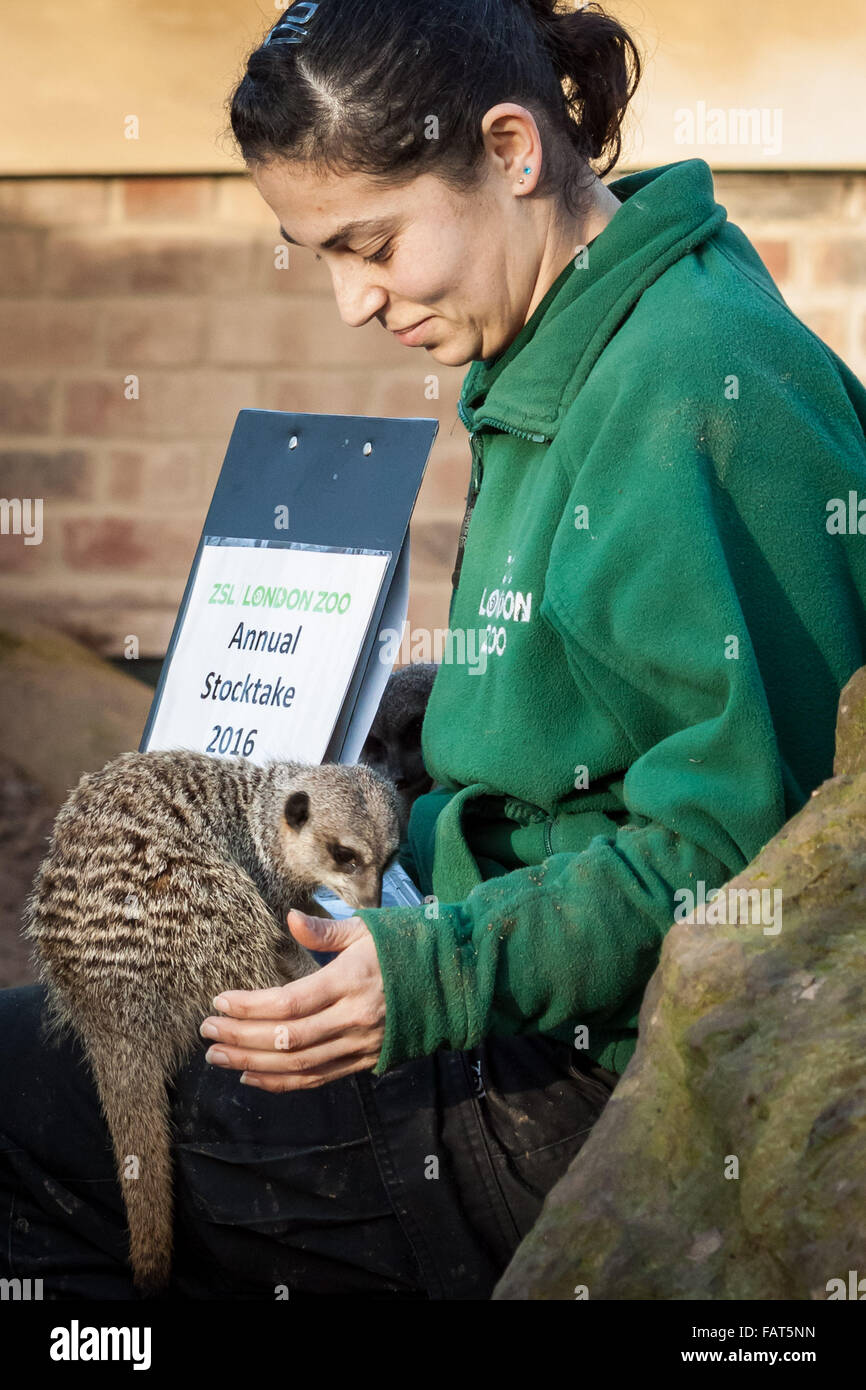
(415,334)
(410,326)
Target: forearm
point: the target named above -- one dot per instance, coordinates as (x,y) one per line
(570,940)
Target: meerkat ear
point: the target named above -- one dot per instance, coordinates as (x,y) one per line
(297,810)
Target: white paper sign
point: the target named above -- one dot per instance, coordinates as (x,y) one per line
(269,642)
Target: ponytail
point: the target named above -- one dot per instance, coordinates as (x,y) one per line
(601,65)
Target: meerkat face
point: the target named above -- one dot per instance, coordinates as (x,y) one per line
(347,853)
(356,879)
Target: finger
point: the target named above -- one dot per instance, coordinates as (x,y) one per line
(306,1081)
(308,1059)
(325,933)
(306,996)
(279,1035)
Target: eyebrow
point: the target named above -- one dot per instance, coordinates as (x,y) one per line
(342,233)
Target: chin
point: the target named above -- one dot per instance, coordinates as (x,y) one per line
(449,354)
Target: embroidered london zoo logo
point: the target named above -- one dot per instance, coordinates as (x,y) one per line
(503,604)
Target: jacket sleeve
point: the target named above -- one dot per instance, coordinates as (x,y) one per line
(644,599)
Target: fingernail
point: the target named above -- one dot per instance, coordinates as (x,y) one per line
(250,1081)
(220,1003)
(214,1055)
(209,1030)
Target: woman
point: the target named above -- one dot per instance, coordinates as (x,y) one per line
(660,620)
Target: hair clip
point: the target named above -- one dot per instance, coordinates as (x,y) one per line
(289,27)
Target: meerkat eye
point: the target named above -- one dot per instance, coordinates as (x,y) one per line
(345,857)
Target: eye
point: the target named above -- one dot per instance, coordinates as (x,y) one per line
(345,857)
(380,255)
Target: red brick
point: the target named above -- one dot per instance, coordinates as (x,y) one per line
(318,392)
(148,198)
(22,261)
(108,261)
(51,202)
(45,473)
(841,261)
(428,607)
(171,405)
(404,392)
(167,265)
(21,556)
(181,474)
(193,264)
(238,202)
(43,333)
(230,264)
(830,323)
(434,550)
(303,273)
(17,558)
(759,196)
(104,625)
(86,263)
(302,331)
(144,333)
(446,481)
(206,403)
(119,544)
(776,256)
(255,331)
(26,406)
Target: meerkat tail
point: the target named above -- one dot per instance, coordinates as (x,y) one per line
(135,1102)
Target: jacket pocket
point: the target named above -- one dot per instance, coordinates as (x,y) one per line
(594,1079)
(535,1110)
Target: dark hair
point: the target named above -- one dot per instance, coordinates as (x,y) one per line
(358,92)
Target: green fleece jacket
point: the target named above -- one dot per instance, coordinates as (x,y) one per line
(661,597)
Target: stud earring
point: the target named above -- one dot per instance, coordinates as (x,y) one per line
(527,170)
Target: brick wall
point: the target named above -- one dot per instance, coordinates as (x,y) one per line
(173,280)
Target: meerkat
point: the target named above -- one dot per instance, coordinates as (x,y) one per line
(393,745)
(168,880)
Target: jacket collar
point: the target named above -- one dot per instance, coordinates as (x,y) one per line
(528,388)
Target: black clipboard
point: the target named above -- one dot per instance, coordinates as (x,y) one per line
(348,481)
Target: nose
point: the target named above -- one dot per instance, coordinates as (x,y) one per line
(358,298)
(371,897)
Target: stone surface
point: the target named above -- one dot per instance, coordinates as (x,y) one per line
(65,712)
(750,1060)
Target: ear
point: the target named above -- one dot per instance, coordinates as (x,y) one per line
(297,810)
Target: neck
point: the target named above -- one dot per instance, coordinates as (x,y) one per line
(566,239)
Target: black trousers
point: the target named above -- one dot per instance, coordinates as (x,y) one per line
(416,1184)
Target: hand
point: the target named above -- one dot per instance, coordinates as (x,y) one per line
(300,1035)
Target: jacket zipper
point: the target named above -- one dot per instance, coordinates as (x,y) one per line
(474,487)
(475,481)
(548,838)
(521,434)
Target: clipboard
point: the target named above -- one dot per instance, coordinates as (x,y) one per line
(327,486)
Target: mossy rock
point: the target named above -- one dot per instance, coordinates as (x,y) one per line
(66,710)
(730,1162)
